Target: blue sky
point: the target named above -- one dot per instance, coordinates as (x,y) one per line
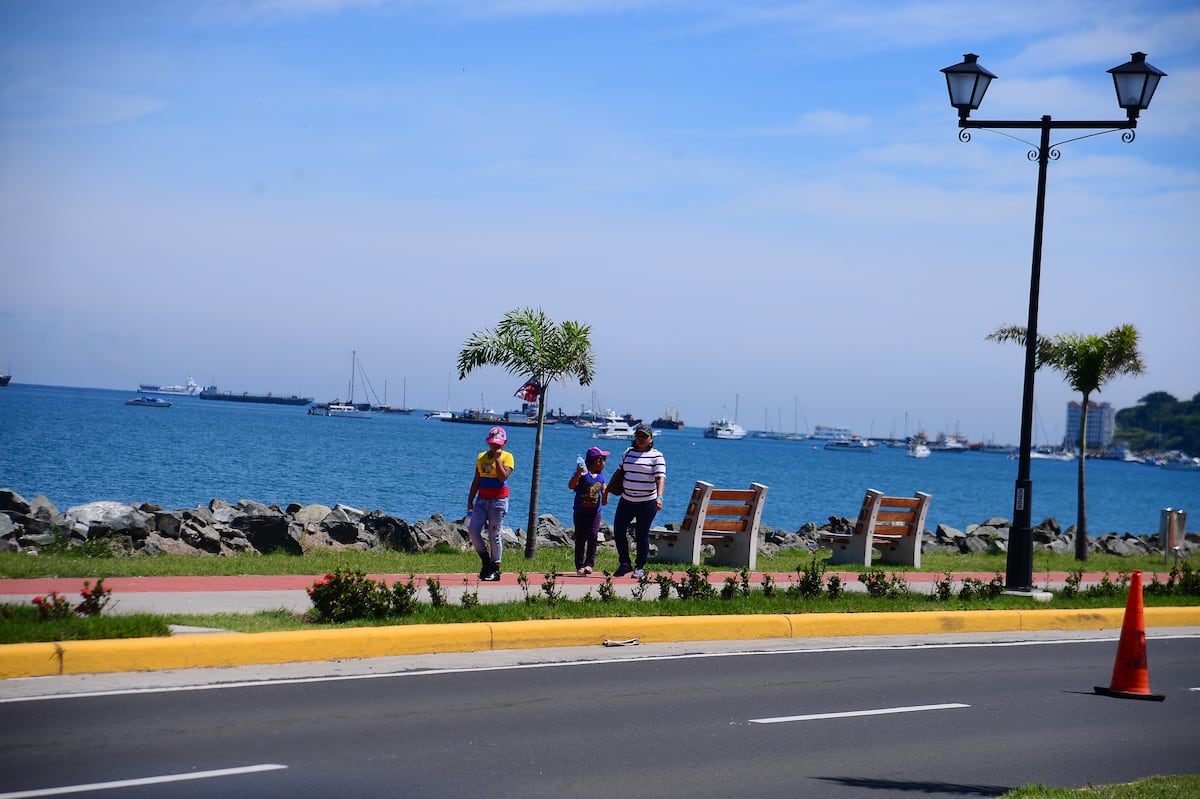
(758,207)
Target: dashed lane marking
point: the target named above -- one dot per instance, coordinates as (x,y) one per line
(852,713)
(107,786)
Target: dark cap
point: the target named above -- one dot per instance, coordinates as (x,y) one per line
(644,429)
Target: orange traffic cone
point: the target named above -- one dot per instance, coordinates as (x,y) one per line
(1131,676)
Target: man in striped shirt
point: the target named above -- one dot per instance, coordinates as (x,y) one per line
(645,481)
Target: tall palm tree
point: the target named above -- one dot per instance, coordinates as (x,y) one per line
(528,342)
(1087,363)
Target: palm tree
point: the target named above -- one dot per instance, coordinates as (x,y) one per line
(527,342)
(1087,362)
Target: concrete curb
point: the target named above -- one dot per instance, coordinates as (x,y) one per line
(236,649)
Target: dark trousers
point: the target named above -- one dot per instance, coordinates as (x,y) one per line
(587,531)
(639,515)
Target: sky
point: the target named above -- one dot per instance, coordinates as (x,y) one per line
(761,209)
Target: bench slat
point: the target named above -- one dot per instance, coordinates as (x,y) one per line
(724,526)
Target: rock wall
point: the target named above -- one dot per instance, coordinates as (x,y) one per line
(220,528)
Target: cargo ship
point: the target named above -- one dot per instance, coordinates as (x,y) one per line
(213,393)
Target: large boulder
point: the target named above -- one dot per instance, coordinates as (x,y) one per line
(109,519)
(264,527)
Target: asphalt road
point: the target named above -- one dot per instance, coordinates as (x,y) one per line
(982,714)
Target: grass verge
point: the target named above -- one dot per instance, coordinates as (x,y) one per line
(74,563)
(1169,787)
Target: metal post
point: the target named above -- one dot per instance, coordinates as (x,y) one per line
(1019,574)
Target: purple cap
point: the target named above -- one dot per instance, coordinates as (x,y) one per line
(595,452)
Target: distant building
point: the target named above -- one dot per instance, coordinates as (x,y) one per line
(1101,423)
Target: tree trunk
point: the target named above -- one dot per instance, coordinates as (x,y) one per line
(531,528)
(1081,541)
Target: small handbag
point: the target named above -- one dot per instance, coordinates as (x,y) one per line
(617,484)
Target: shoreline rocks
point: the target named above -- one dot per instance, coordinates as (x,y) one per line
(220,528)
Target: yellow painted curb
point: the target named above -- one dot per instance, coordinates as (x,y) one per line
(235,649)
(648,629)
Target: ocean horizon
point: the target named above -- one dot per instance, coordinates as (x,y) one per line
(79,445)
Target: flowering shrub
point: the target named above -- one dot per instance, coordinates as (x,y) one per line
(943,589)
(437,597)
(552,593)
(835,588)
(809,580)
(694,586)
(973,588)
(880,585)
(608,593)
(1181,580)
(404,597)
(52,607)
(470,598)
(343,595)
(94,599)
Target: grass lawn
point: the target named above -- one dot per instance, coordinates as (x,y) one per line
(73,563)
(1173,787)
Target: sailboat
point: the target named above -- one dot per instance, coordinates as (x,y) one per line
(345,410)
(403,400)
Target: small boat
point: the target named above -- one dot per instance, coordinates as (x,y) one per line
(149,402)
(916,450)
(192,389)
(852,444)
(1048,455)
(725,429)
(1177,460)
(945,443)
(347,409)
(4,379)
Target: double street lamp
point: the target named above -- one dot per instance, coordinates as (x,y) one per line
(967,82)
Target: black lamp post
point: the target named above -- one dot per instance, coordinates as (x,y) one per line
(967,82)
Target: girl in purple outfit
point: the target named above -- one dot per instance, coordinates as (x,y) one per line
(588,485)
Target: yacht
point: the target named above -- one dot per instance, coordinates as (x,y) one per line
(723,428)
(825,432)
(852,444)
(614,427)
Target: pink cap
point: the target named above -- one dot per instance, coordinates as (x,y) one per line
(497,436)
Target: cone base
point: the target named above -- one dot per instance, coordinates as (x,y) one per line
(1127,694)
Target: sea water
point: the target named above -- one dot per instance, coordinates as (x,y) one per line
(78,445)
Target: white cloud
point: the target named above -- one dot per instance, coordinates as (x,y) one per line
(46,107)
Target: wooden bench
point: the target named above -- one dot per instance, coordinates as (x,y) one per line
(893,525)
(723,517)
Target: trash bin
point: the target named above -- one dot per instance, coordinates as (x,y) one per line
(1172,523)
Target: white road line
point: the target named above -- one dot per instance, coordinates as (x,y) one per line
(107,786)
(852,713)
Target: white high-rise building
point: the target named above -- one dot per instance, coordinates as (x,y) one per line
(1101,423)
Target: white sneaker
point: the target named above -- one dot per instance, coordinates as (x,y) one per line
(639,574)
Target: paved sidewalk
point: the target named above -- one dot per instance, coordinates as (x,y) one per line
(254,593)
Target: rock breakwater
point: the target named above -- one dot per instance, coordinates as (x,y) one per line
(223,528)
